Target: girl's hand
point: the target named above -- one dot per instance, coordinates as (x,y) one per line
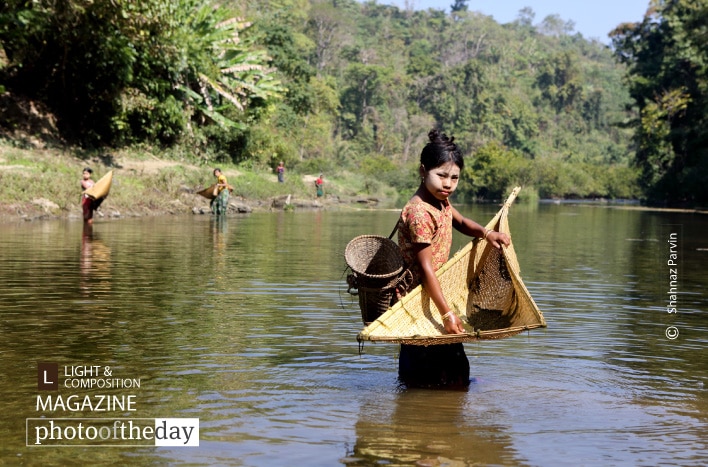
(498,238)
(453,325)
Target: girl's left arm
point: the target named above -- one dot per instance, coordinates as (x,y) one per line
(473,229)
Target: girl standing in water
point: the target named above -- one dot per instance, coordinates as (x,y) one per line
(88,204)
(425,236)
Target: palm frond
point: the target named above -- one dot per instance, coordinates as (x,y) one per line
(222,67)
(222,92)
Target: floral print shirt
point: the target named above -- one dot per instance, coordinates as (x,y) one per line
(421,222)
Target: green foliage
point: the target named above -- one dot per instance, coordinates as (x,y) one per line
(493,172)
(560,82)
(502,169)
(286,46)
(458,5)
(667,55)
(117,72)
(169,180)
(377,166)
(318,166)
(381,170)
(335,86)
(260,185)
(257,148)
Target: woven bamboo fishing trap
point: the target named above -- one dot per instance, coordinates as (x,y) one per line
(378,269)
(481,284)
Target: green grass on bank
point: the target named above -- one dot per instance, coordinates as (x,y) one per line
(143,182)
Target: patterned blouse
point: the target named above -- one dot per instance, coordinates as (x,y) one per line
(421,222)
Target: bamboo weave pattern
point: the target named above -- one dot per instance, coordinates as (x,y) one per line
(481,284)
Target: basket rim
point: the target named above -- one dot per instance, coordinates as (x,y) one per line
(384,240)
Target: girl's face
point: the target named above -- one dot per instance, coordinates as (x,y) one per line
(86,175)
(442,180)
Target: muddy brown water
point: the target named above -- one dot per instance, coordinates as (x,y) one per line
(246,326)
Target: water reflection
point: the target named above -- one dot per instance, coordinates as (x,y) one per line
(420,427)
(95,264)
(219,232)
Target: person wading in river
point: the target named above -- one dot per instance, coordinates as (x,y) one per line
(88,204)
(220,203)
(425,237)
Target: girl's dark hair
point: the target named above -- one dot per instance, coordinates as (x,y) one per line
(216,170)
(440,150)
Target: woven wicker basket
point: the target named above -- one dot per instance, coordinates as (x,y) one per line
(378,269)
(374,257)
(482,285)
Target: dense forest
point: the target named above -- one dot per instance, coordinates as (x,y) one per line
(342,85)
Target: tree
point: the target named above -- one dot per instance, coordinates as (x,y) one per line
(560,81)
(526,16)
(118,71)
(493,172)
(329,26)
(667,56)
(458,6)
(553,25)
(362,95)
(222,66)
(336,83)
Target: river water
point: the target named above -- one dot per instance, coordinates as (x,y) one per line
(246,326)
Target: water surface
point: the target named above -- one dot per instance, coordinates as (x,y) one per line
(246,325)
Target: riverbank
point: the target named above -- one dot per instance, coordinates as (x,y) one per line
(41,184)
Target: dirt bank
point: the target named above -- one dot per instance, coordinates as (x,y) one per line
(38,186)
(187,203)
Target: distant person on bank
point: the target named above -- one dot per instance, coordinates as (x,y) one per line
(281,172)
(319,186)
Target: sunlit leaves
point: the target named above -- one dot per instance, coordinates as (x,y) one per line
(118,71)
(218,63)
(668,58)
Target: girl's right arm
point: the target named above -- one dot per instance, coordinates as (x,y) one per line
(424,256)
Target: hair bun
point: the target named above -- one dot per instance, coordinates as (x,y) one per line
(441,138)
(435,137)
